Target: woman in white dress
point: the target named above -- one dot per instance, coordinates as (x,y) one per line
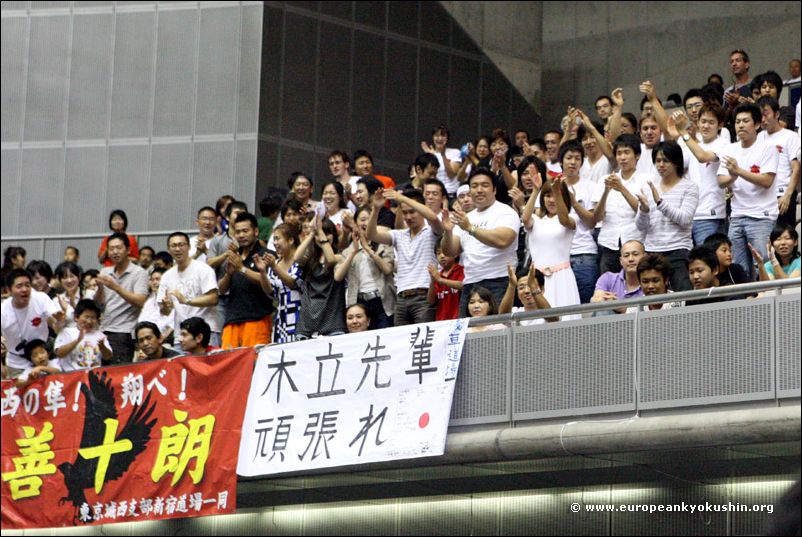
(550,231)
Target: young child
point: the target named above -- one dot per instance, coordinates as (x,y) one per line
(36,352)
(82,346)
(162,314)
(446,286)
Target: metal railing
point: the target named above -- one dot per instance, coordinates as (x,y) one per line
(640,302)
(42,240)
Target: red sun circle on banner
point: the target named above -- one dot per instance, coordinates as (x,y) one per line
(423,421)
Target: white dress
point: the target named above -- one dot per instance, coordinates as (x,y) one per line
(549,244)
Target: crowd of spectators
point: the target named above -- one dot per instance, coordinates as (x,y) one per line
(694,195)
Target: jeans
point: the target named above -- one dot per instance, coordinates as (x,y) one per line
(747,230)
(678,260)
(378,318)
(609,260)
(586,272)
(702,229)
(790,215)
(496,286)
(413,310)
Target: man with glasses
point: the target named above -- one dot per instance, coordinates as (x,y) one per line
(199,244)
(190,285)
(123,288)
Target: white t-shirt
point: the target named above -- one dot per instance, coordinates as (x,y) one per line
(619,217)
(645,164)
(87,354)
(583,242)
(787,144)
(554,167)
(481,261)
(595,172)
(193,247)
(26,373)
(455,157)
(151,312)
(749,199)
(198,279)
(25,325)
(712,205)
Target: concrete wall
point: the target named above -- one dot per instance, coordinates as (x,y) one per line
(589,48)
(149,107)
(510,33)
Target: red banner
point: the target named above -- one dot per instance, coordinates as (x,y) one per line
(119,444)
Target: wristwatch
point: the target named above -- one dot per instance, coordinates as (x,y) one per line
(686,136)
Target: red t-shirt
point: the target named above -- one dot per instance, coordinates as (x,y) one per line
(448,298)
(133,251)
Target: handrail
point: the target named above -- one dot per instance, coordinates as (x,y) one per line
(714,292)
(89,235)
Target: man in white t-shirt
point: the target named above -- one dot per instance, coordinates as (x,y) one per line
(450,159)
(25,317)
(616,203)
(191,285)
(703,168)
(199,244)
(787,144)
(749,167)
(486,239)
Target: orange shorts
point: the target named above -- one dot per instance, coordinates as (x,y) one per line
(247,334)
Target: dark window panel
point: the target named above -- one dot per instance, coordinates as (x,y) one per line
(495,99)
(311,6)
(464,92)
(366,116)
(266,169)
(371,14)
(296,160)
(271,71)
(523,115)
(342,10)
(333,128)
(400,102)
(297,113)
(435,23)
(460,40)
(404,18)
(433,92)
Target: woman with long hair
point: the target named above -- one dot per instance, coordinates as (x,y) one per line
(783,249)
(280,281)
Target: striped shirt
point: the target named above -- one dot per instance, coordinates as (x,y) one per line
(668,226)
(412,258)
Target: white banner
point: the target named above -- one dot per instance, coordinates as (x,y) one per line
(351,399)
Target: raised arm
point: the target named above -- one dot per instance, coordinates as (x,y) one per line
(648,89)
(529,209)
(604,144)
(382,236)
(681,121)
(427,213)
(562,209)
(614,121)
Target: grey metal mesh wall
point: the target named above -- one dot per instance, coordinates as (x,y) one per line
(481,394)
(788,343)
(150,107)
(561,368)
(706,354)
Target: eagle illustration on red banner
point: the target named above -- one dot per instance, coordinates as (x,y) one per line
(120,444)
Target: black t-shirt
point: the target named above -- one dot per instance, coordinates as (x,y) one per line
(246,300)
(734,275)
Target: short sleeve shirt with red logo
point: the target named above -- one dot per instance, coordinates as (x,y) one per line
(447,297)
